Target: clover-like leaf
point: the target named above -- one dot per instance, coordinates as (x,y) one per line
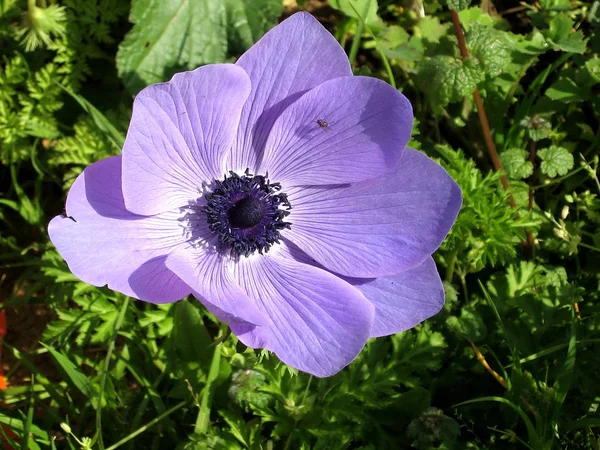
(446,79)
(516,164)
(555,160)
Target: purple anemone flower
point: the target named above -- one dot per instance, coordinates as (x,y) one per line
(280,193)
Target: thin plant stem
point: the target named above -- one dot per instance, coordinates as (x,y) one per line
(451,264)
(558,180)
(530,236)
(382,55)
(463,283)
(288,442)
(487,367)
(499,378)
(485,126)
(357,36)
(111,347)
(307,388)
(148,425)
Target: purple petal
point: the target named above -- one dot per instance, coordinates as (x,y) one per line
(320,322)
(179,134)
(343,131)
(210,276)
(103,243)
(377,227)
(292,58)
(403,300)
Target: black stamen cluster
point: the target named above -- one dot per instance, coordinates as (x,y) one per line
(245,212)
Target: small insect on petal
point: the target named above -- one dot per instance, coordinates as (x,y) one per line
(322,123)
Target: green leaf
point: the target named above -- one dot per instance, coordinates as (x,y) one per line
(103,124)
(430,29)
(170,36)
(516,164)
(556,160)
(565,90)
(475,15)
(79,380)
(190,338)
(538,128)
(433,430)
(491,47)
(395,43)
(469,323)
(564,381)
(354,8)
(446,79)
(562,37)
(25,444)
(249,21)
(19,426)
(458,5)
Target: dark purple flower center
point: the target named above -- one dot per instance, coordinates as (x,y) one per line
(246,213)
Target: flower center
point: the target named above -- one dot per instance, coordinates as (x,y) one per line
(246,213)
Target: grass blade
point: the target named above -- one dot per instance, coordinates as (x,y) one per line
(29,421)
(100,119)
(78,378)
(533,436)
(565,379)
(205,403)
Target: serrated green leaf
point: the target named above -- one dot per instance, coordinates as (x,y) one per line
(469,323)
(395,44)
(169,36)
(490,47)
(394,36)
(592,69)
(446,79)
(516,164)
(430,29)
(458,5)
(538,127)
(475,15)
(562,37)
(555,160)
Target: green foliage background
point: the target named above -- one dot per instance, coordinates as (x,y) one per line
(512,360)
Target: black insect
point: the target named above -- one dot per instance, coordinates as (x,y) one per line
(322,123)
